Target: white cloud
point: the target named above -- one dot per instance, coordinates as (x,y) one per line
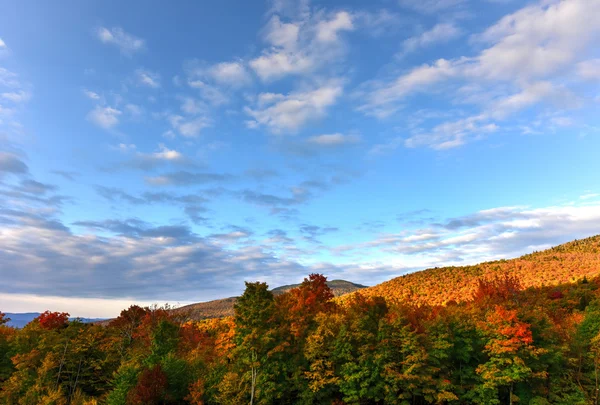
(134,110)
(127,43)
(124,147)
(302,46)
(589,69)
(275,65)
(105,117)
(492,234)
(282,113)
(440,33)
(210,93)
(452,134)
(217,83)
(336,139)
(8,78)
(327,30)
(590,196)
(382,99)
(147,78)
(188,127)
(538,40)
(167,154)
(530,95)
(230,73)
(2,44)
(528,50)
(17,97)
(282,34)
(192,106)
(91,94)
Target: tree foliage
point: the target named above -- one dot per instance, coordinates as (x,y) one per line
(510,340)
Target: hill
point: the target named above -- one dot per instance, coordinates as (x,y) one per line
(565,263)
(224,307)
(339,287)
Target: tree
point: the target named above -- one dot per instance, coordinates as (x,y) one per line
(509,346)
(253,314)
(150,388)
(3,319)
(53,320)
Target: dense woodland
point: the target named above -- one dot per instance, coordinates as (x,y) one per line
(510,338)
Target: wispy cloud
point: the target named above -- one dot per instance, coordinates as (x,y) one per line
(301,47)
(128,44)
(147,78)
(149,161)
(92,95)
(185,178)
(529,50)
(105,117)
(11,163)
(336,139)
(189,127)
(288,113)
(440,33)
(16,97)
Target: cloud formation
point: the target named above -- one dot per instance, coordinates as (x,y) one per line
(302,46)
(105,117)
(527,51)
(127,43)
(283,113)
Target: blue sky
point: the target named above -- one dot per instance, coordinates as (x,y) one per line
(159,153)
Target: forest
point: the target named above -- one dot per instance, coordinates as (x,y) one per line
(508,341)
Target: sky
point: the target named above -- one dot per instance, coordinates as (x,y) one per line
(154,152)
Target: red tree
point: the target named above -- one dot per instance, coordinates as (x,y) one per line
(150,388)
(53,320)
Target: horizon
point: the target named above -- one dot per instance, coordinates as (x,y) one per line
(168,154)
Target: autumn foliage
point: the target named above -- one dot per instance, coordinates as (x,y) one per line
(53,320)
(503,340)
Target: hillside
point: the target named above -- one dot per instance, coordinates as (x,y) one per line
(565,263)
(224,307)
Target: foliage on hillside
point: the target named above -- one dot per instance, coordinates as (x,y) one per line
(224,307)
(503,345)
(566,263)
(208,310)
(538,346)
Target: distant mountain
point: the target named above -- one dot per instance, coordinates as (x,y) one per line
(224,307)
(562,264)
(19,320)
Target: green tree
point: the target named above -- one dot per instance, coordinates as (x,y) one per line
(253,315)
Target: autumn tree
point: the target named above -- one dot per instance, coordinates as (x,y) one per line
(6,351)
(150,389)
(53,320)
(509,347)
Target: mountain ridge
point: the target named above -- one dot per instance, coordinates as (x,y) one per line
(224,307)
